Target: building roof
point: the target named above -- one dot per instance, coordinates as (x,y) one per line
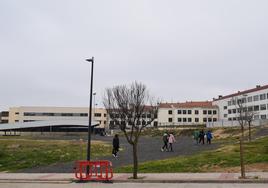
(191,104)
(257,88)
(36,124)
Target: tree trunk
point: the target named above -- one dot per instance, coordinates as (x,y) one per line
(249,131)
(242,165)
(242,130)
(135,161)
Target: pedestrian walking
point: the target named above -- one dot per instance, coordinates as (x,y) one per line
(171,140)
(202,137)
(196,136)
(209,137)
(165,140)
(115,145)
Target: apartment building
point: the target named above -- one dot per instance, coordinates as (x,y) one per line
(255,99)
(187,113)
(30,114)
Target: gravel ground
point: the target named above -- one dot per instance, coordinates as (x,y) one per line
(148,149)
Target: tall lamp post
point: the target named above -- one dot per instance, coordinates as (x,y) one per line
(90,111)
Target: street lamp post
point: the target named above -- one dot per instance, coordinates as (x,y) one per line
(90,111)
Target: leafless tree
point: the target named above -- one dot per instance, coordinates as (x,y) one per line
(242,118)
(249,117)
(133,108)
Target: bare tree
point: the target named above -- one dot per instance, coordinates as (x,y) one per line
(242,119)
(133,109)
(249,118)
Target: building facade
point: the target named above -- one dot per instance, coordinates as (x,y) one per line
(30,114)
(188,113)
(254,100)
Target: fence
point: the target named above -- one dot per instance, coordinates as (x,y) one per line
(225,123)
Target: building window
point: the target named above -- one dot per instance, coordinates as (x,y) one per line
(184,120)
(214,119)
(256,108)
(196,112)
(214,112)
(229,111)
(179,111)
(66,114)
(170,112)
(229,119)
(225,107)
(229,103)
(209,119)
(256,98)
(263,106)
(263,116)
(250,108)
(149,115)
(225,115)
(184,111)
(262,96)
(143,122)
(189,111)
(196,120)
(256,117)
(234,111)
(204,119)
(16,120)
(169,119)
(83,114)
(28,120)
(189,119)
(104,122)
(17,113)
(204,112)
(104,115)
(249,99)
(209,112)
(29,114)
(234,119)
(179,119)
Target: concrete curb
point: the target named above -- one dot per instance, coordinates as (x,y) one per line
(67,181)
(193,181)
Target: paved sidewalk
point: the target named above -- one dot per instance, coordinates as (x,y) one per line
(253,177)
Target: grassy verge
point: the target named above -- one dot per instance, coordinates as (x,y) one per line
(25,153)
(209,161)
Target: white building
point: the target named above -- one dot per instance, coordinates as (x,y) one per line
(255,99)
(188,113)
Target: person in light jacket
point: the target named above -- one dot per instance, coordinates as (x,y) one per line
(171,140)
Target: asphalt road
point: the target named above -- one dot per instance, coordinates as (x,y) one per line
(148,149)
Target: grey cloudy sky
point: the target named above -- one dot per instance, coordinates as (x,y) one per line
(182,50)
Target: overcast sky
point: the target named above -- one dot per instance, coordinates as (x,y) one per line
(182,50)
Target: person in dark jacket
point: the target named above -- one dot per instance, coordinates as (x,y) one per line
(115,145)
(165,140)
(209,137)
(202,137)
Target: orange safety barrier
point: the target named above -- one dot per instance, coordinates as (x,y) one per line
(97,170)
